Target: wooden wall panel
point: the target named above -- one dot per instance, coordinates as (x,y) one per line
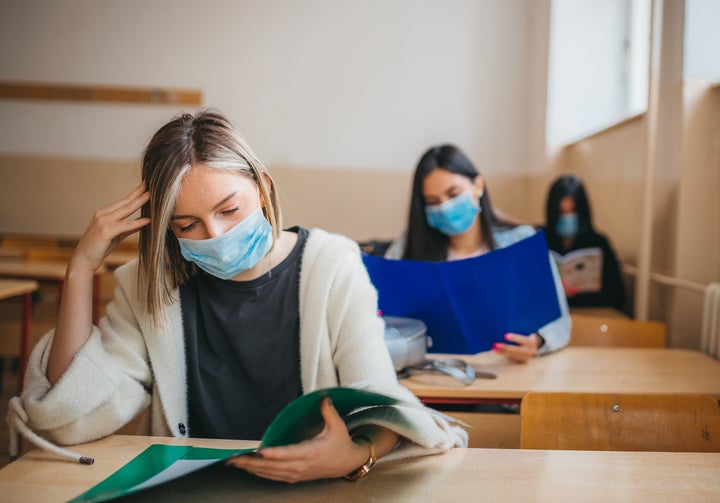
(95,93)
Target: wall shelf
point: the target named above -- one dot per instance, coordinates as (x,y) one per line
(98,93)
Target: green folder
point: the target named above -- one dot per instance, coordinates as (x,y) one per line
(299,420)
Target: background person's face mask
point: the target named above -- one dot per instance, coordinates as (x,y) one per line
(229,254)
(567,225)
(454,216)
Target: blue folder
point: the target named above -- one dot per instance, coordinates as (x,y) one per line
(470,304)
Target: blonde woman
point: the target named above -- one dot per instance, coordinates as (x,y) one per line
(224,320)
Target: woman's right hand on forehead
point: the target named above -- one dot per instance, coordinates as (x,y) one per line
(108,227)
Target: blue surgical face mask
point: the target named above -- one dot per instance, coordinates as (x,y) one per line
(229,254)
(454,216)
(567,225)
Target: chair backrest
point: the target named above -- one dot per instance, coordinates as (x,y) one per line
(602,331)
(620,422)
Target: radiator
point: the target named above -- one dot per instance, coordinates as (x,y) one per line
(710,339)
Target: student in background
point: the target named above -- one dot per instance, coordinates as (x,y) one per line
(223,321)
(568,228)
(451,218)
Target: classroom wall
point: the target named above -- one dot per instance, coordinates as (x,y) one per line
(340,94)
(57,196)
(686,209)
(697,249)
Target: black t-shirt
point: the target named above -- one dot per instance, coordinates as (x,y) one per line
(242,348)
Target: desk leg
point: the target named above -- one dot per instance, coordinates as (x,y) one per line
(25,338)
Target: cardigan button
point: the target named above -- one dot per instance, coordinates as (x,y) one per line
(181,428)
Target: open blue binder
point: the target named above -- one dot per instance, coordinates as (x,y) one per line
(470,304)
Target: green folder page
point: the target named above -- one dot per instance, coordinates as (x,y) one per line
(299,420)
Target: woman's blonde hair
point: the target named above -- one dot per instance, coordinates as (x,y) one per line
(206,138)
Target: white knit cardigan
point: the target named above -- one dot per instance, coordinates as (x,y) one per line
(127,365)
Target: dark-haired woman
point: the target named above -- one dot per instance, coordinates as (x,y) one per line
(451,218)
(568,228)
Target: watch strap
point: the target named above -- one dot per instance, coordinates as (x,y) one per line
(367,466)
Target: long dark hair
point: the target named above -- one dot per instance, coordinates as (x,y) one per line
(422,241)
(567,185)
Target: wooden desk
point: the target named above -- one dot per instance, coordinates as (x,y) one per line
(39,269)
(12,288)
(459,475)
(580,369)
(47,270)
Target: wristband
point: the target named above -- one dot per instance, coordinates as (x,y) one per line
(365,468)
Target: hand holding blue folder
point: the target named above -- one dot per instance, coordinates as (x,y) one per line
(470,304)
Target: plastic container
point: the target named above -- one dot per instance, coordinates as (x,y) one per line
(406,340)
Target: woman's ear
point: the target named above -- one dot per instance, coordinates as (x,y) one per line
(268,184)
(479,186)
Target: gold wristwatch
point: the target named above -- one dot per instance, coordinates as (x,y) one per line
(364,469)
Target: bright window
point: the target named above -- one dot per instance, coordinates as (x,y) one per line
(598,70)
(702,39)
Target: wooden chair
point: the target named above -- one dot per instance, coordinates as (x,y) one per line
(620,332)
(620,422)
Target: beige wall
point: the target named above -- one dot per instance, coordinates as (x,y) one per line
(57,196)
(686,209)
(369,204)
(323,83)
(342,122)
(611,165)
(698,243)
(697,249)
